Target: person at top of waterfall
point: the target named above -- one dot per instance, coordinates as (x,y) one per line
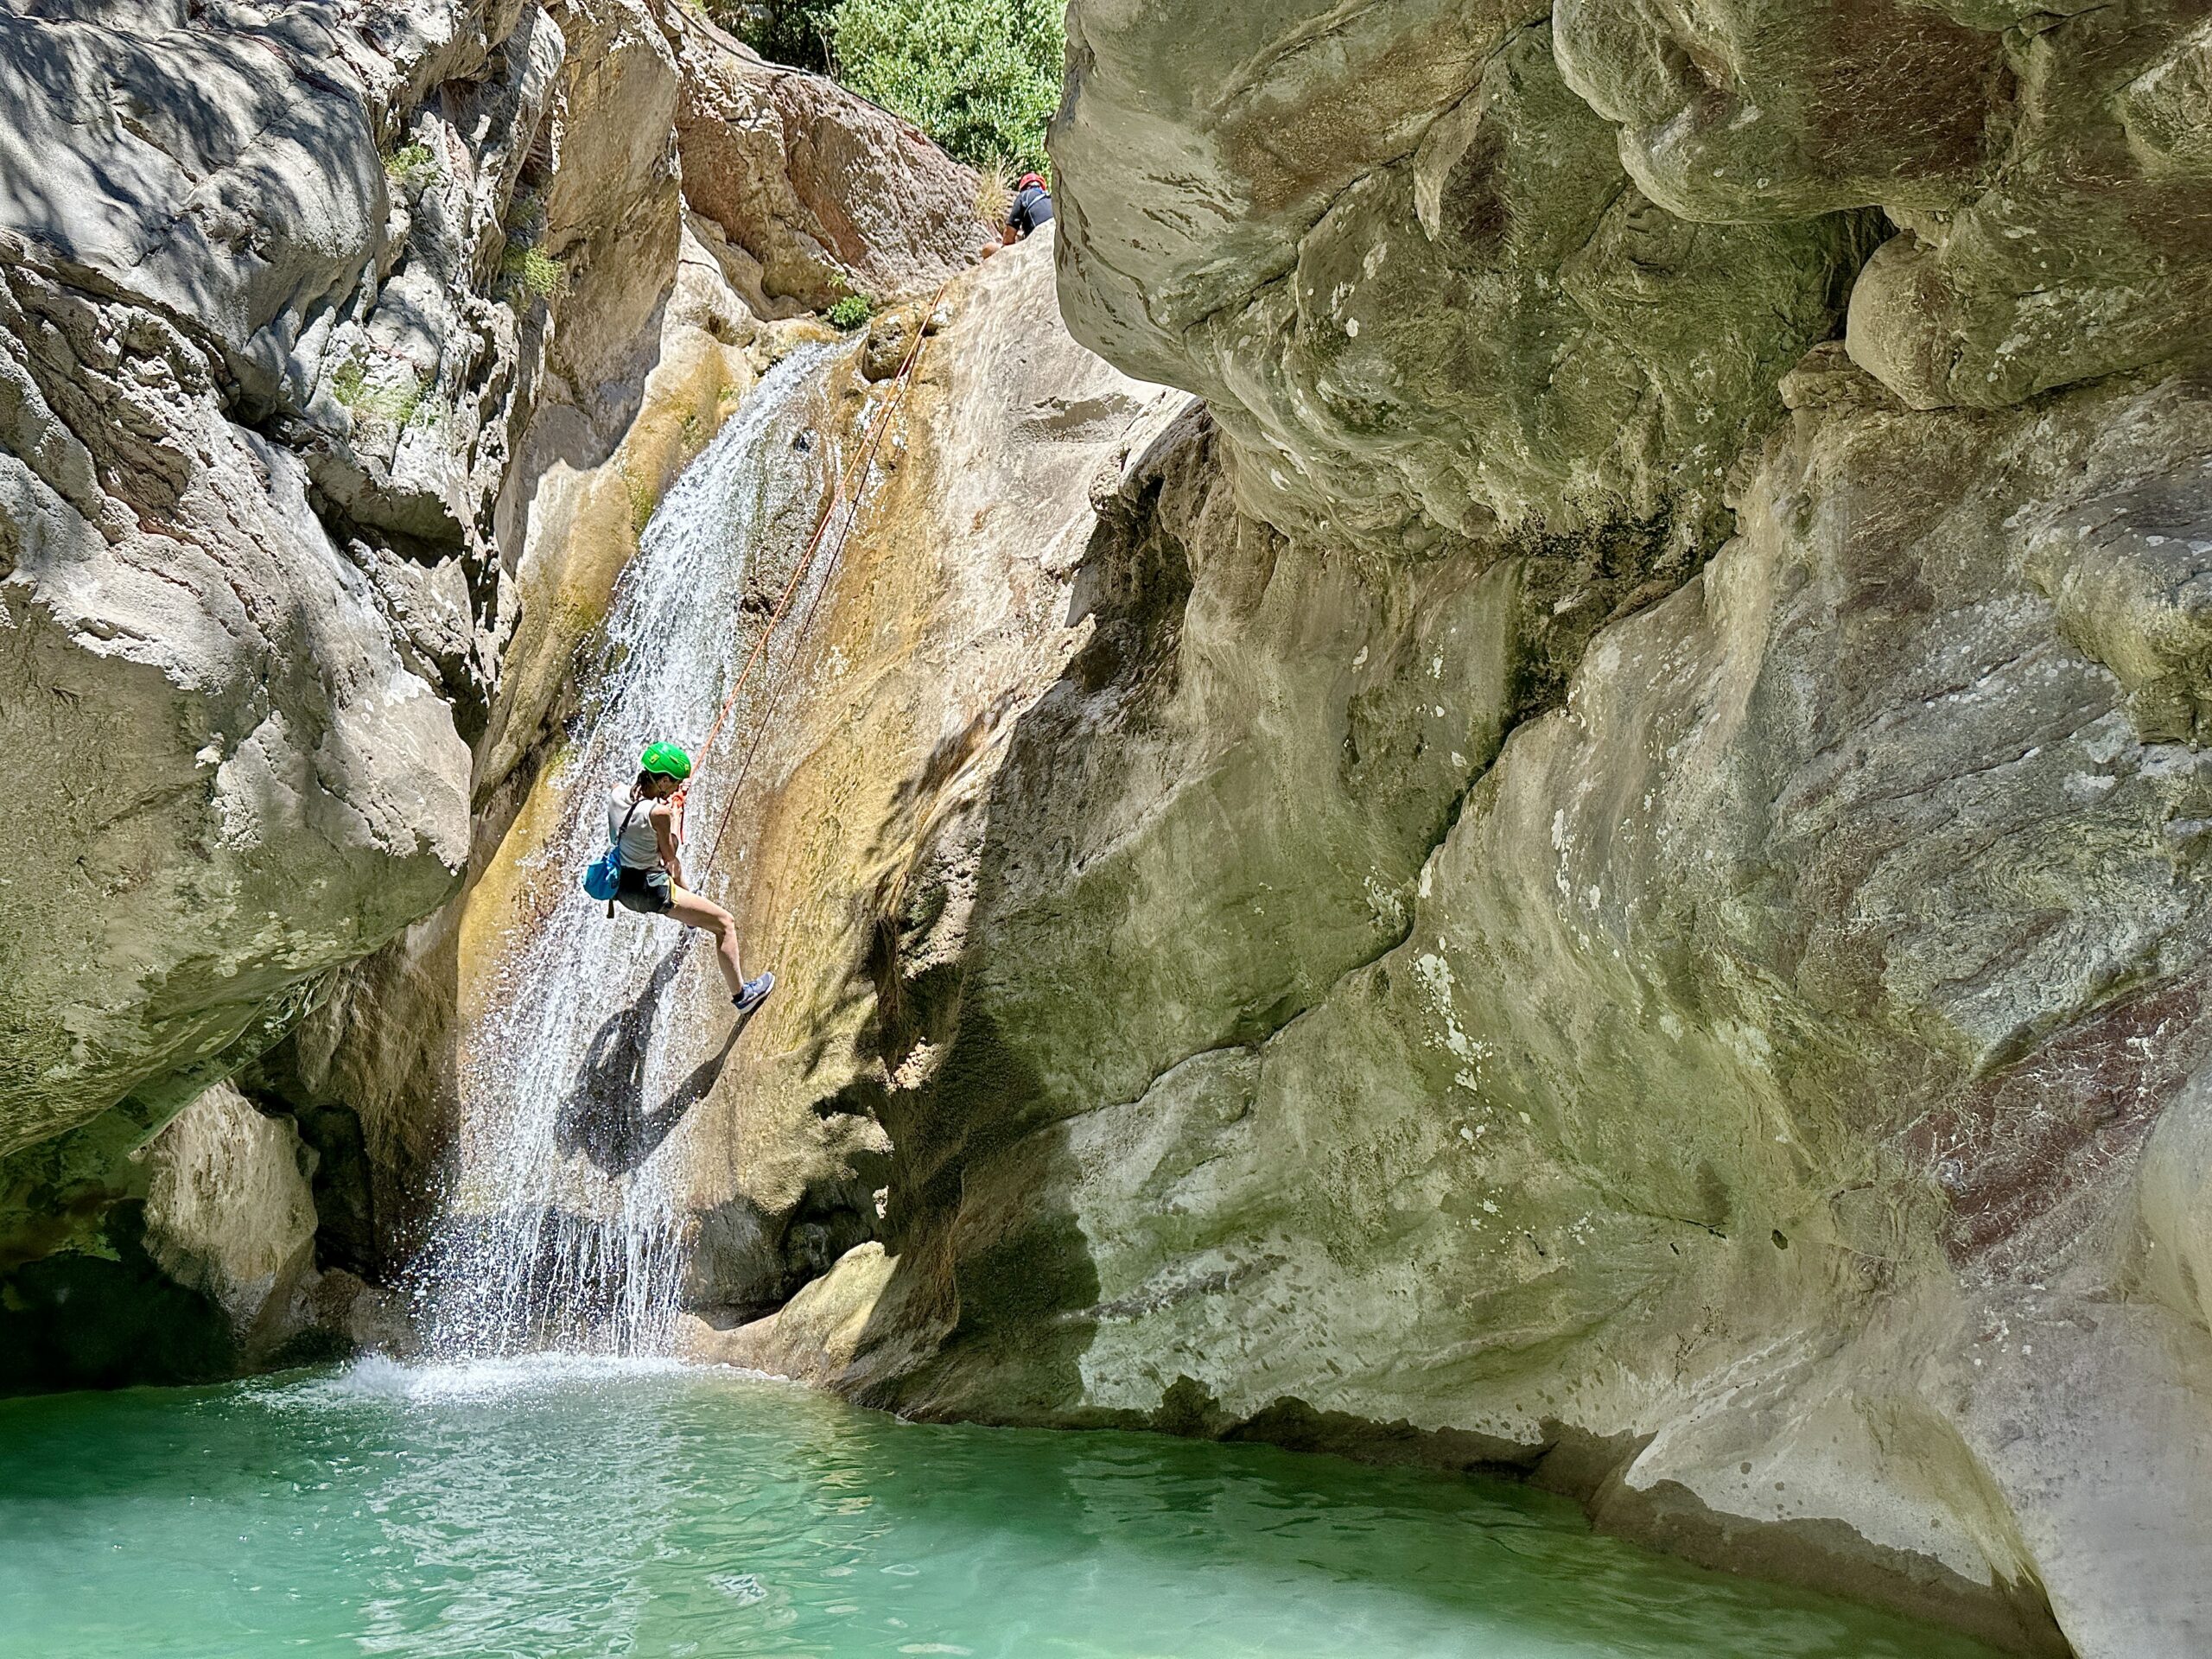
(1032,206)
(646,823)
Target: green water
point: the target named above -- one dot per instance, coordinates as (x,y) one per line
(602,1508)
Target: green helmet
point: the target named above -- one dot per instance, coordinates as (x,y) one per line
(666,760)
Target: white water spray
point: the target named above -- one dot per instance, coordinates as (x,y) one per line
(562,1226)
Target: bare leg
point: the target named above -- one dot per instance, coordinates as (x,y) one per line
(688,908)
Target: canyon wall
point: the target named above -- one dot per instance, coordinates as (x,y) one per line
(1592,867)
(1613,890)
(344,352)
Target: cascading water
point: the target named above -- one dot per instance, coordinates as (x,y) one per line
(561,1225)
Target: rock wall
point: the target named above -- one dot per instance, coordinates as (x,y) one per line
(343,352)
(1593,868)
(1611,888)
(883,721)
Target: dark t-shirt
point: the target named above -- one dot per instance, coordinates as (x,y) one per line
(1032,207)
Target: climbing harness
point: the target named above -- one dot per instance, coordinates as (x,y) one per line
(852,491)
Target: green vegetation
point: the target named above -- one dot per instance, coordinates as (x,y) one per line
(851,312)
(982,77)
(411,167)
(394,401)
(994,192)
(524,220)
(644,500)
(797,32)
(526,269)
(534,271)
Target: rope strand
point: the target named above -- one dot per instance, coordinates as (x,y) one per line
(854,497)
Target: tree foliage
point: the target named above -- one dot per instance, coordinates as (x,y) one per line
(797,32)
(982,77)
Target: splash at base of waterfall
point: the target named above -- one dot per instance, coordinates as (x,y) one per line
(562,1225)
(506,1282)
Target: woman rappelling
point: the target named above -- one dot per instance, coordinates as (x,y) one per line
(643,870)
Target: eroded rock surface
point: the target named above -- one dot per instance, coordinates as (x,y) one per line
(949,612)
(817,194)
(1613,888)
(334,342)
(1726,1100)
(230,1214)
(1443,266)
(1595,867)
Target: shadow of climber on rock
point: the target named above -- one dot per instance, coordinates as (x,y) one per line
(605,1116)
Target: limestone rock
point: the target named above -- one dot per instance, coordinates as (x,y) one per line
(1763,108)
(2087,249)
(1462,320)
(1754,1083)
(820,1335)
(1795,1034)
(226,776)
(2047,168)
(821,193)
(225,173)
(229,1214)
(949,612)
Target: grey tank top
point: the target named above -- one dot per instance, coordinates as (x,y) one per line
(640,845)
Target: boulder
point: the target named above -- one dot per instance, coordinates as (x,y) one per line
(819,192)
(229,1214)
(225,778)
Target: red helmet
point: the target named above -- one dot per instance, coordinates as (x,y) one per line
(1028,179)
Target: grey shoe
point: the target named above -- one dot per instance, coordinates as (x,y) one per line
(754,994)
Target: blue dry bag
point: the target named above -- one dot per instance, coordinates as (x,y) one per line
(603,875)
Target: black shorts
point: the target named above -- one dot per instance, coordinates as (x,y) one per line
(648,891)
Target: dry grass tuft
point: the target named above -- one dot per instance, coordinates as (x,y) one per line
(995,193)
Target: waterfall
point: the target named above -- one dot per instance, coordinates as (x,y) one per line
(563,1224)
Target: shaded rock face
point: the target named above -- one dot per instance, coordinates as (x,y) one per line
(1446,266)
(181,1257)
(2051,190)
(340,353)
(230,1213)
(1459,315)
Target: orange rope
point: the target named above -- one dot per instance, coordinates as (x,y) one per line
(858,493)
(760,645)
